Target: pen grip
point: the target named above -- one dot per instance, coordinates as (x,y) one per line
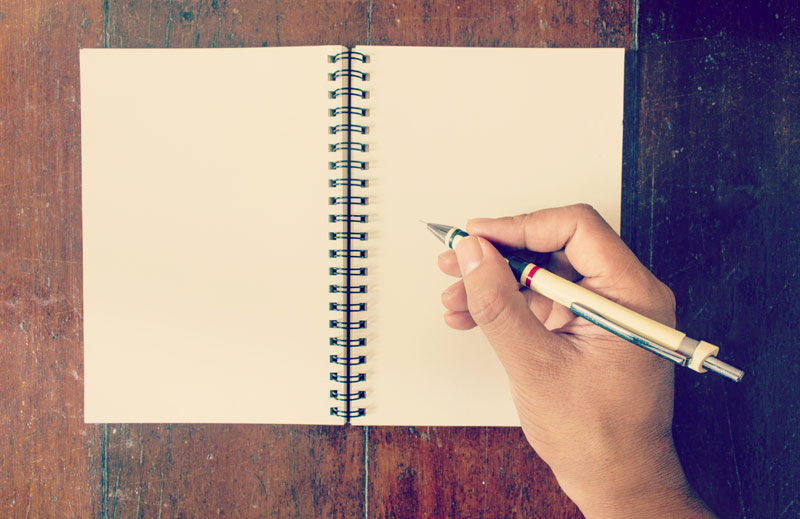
(565,293)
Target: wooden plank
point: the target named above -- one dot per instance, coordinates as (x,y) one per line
(195,23)
(49,459)
(233,470)
(460,472)
(718,222)
(57,466)
(477,472)
(540,23)
(236,23)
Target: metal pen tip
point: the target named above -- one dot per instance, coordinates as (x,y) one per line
(438,230)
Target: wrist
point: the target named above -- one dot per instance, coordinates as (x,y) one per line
(677,501)
(651,485)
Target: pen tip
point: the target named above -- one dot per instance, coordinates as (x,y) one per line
(440,231)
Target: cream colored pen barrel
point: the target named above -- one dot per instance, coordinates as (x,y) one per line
(696,355)
(565,293)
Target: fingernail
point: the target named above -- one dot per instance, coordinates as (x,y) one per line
(474,224)
(469,254)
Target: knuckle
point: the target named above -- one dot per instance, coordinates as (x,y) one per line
(662,302)
(669,296)
(586,211)
(488,309)
(526,220)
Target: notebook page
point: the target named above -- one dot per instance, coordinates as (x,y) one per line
(205,235)
(458,133)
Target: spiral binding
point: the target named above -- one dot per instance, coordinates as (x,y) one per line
(357,218)
(347,164)
(354,146)
(359,182)
(362,236)
(353,271)
(349,197)
(344,307)
(347,200)
(353,361)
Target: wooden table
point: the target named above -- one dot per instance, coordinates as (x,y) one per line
(711,186)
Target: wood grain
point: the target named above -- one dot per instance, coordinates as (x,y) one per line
(233,471)
(711,207)
(476,472)
(49,459)
(242,23)
(539,23)
(54,465)
(718,186)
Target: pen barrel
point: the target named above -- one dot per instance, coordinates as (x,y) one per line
(647,333)
(566,293)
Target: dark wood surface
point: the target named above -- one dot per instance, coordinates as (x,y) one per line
(711,184)
(717,193)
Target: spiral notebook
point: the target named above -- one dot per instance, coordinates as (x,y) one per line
(252,245)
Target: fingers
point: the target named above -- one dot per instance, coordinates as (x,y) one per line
(496,305)
(454,300)
(594,250)
(590,244)
(449,264)
(455,297)
(551,315)
(459,320)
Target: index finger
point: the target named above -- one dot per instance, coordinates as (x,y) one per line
(590,244)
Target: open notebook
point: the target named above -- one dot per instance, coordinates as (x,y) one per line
(209,190)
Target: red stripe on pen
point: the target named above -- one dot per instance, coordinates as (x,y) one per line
(530,276)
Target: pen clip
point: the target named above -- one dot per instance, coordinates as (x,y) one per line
(622,332)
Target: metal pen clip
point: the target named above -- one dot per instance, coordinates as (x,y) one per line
(711,363)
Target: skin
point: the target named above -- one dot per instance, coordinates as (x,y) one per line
(595,408)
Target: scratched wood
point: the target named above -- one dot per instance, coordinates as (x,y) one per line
(233,471)
(200,23)
(717,219)
(55,466)
(514,480)
(539,23)
(477,472)
(716,189)
(460,472)
(48,458)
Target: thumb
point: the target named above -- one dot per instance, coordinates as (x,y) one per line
(497,306)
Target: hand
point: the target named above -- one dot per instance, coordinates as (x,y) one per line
(596,408)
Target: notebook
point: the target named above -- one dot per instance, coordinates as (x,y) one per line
(253,250)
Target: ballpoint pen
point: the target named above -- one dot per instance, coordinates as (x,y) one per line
(642,331)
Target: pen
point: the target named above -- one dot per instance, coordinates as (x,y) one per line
(642,331)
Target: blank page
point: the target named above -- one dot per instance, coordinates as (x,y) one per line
(205,235)
(457,133)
